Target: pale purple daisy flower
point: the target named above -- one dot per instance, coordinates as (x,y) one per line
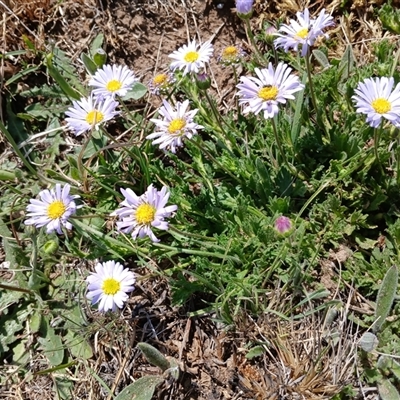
(304,31)
(231,55)
(244,7)
(175,125)
(139,214)
(88,113)
(376,99)
(112,81)
(283,224)
(161,83)
(109,285)
(191,57)
(53,210)
(268,90)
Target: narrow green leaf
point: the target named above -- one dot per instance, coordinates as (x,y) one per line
(20,74)
(64,85)
(346,64)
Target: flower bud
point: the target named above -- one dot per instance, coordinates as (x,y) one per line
(283,224)
(203,81)
(100,57)
(244,8)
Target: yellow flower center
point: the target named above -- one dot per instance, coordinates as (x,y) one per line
(94,117)
(56,209)
(268,93)
(302,33)
(145,214)
(111,286)
(191,56)
(230,52)
(176,125)
(113,85)
(381,106)
(160,79)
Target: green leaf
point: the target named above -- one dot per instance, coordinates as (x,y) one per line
(100,58)
(387,391)
(256,351)
(20,74)
(96,44)
(51,344)
(90,66)
(385,298)
(390,18)
(78,345)
(142,389)
(63,387)
(154,356)
(346,64)
(368,342)
(55,74)
(15,125)
(137,92)
(321,58)
(20,353)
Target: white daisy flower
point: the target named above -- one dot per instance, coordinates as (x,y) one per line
(109,285)
(175,125)
(53,210)
(112,81)
(88,113)
(376,99)
(303,32)
(191,57)
(268,90)
(139,214)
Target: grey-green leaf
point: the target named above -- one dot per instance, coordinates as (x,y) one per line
(137,92)
(387,391)
(154,356)
(321,58)
(385,297)
(255,352)
(142,389)
(368,342)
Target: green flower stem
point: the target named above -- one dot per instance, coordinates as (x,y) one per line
(81,167)
(311,199)
(220,121)
(377,135)
(192,235)
(250,36)
(212,158)
(283,154)
(279,257)
(178,250)
(320,123)
(235,75)
(14,145)
(310,81)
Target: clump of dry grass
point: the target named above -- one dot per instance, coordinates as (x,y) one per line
(309,358)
